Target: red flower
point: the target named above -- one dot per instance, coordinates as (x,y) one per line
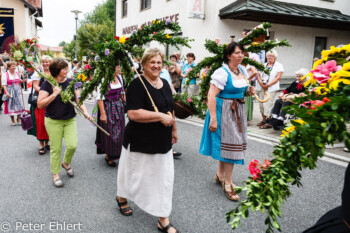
(154,33)
(325,99)
(266,164)
(254,168)
(189,100)
(116,38)
(299,86)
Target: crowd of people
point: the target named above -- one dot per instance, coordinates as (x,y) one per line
(143,148)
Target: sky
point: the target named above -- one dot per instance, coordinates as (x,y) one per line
(59,22)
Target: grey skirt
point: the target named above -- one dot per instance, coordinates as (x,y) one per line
(233,133)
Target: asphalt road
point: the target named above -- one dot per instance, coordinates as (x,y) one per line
(27,194)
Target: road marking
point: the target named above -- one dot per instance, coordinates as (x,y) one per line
(329,157)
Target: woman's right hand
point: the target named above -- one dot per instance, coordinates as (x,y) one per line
(281,95)
(166,119)
(8,95)
(56,91)
(103,118)
(213,126)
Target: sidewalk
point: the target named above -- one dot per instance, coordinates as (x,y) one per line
(271,135)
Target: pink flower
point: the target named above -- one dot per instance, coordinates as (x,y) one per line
(189,100)
(322,72)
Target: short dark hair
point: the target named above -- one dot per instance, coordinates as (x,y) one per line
(56,66)
(230,49)
(191,55)
(174,56)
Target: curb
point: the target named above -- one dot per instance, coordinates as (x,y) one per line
(273,141)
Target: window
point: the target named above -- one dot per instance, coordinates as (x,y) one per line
(145,4)
(320,44)
(124,8)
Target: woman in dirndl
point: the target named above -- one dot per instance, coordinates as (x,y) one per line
(13,98)
(146,166)
(38,115)
(111,118)
(224,135)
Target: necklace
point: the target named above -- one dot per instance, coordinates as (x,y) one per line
(235,72)
(153,85)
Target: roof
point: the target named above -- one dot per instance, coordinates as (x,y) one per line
(285,13)
(53,48)
(32,4)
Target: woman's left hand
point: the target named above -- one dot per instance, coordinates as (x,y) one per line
(251,90)
(174,137)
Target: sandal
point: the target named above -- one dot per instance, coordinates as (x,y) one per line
(265,126)
(261,123)
(69,170)
(230,194)
(58,182)
(110,163)
(166,228)
(42,151)
(47,147)
(218,180)
(124,210)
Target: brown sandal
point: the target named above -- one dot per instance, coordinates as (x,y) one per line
(218,180)
(265,126)
(230,194)
(261,123)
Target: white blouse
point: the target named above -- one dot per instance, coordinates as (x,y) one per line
(113,86)
(277,67)
(219,78)
(12,77)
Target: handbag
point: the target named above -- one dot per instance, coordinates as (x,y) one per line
(26,121)
(33,98)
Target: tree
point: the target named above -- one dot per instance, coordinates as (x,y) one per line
(94,28)
(62,43)
(69,50)
(49,53)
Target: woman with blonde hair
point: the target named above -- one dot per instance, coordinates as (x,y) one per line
(38,115)
(146,166)
(13,98)
(269,83)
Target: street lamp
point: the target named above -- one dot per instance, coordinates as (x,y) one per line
(76,12)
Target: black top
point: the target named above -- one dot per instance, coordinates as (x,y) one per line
(58,110)
(149,138)
(346,196)
(294,88)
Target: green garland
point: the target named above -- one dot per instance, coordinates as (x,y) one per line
(217,60)
(321,121)
(114,49)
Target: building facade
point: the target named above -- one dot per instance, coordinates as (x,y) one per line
(309,26)
(24,14)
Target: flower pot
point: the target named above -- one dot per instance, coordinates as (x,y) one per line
(182,110)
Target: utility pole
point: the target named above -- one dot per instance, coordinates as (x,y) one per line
(76,12)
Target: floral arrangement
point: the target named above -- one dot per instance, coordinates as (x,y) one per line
(321,120)
(194,103)
(217,60)
(103,60)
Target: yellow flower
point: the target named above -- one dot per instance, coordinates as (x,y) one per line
(311,80)
(334,85)
(79,76)
(83,77)
(288,130)
(255,43)
(153,21)
(122,40)
(342,75)
(317,63)
(167,36)
(321,90)
(203,76)
(292,128)
(157,22)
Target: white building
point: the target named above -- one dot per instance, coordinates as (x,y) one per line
(309,26)
(24,13)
